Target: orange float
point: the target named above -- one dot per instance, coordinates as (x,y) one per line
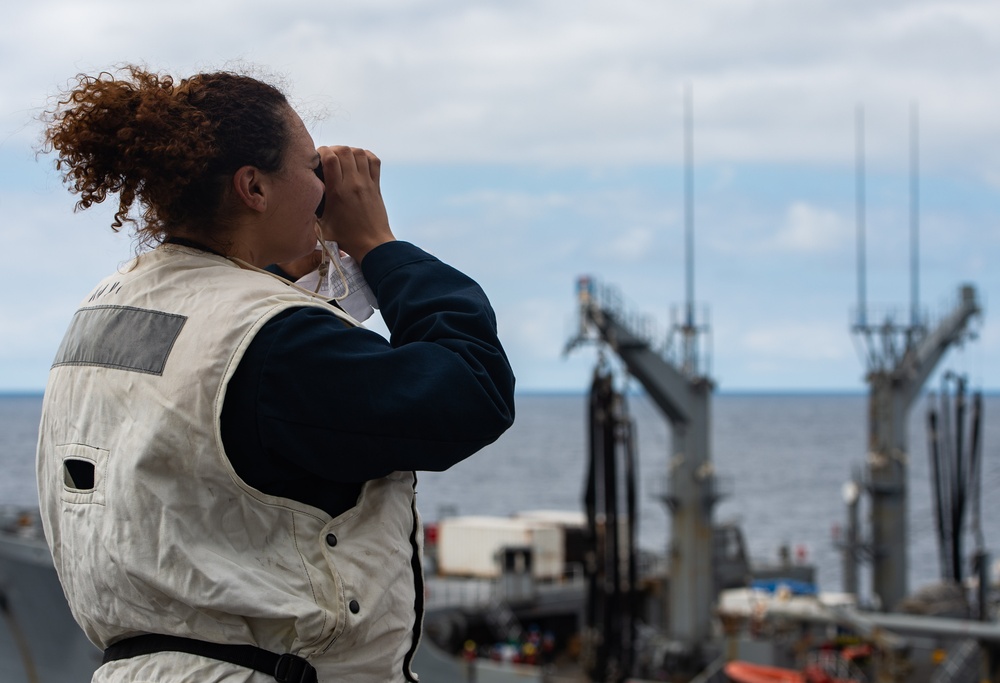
(745,672)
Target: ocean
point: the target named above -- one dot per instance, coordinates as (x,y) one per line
(783,458)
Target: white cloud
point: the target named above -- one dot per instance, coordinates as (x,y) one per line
(811,229)
(525,81)
(633,244)
(586,84)
(512,204)
(820,340)
(536,325)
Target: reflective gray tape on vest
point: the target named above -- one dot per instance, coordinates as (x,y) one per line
(120,337)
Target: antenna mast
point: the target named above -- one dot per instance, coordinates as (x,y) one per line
(915,321)
(689,329)
(688,208)
(900,359)
(859,207)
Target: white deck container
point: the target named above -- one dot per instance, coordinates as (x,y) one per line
(468,546)
(568,519)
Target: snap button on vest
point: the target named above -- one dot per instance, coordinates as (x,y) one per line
(354,607)
(331,540)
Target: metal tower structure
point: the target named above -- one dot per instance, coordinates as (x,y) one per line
(900,358)
(673,378)
(683,395)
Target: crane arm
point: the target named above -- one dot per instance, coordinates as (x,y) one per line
(664,384)
(918,364)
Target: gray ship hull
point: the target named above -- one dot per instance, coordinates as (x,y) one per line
(39,640)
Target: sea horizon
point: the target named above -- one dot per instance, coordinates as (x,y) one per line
(781,457)
(28,393)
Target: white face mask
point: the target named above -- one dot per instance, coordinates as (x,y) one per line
(339,278)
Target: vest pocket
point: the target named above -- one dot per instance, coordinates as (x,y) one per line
(83,472)
(78,474)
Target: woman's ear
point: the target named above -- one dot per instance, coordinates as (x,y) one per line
(248,184)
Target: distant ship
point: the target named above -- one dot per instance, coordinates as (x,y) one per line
(701,614)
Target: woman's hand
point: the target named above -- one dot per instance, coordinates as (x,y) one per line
(354,215)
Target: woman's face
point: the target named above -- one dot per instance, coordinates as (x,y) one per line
(290,228)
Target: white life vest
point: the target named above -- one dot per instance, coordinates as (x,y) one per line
(152,531)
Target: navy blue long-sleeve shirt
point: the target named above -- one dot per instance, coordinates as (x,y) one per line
(316,408)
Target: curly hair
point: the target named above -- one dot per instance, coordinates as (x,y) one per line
(168,147)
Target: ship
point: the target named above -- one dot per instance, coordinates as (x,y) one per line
(702,613)
(572,599)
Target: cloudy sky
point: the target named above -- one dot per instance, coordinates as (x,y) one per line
(531,142)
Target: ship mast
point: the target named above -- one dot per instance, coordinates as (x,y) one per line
(675,381)
(900,359)
(915,321)
(688,330)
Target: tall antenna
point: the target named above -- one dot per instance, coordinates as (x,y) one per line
(914,218)
(689,207)
(859,203)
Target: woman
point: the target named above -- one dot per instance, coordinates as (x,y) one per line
(226,462)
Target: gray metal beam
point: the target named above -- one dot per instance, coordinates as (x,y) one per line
(664,384)
(892,393)
(690,491)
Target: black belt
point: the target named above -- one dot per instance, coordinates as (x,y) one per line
(284,668)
